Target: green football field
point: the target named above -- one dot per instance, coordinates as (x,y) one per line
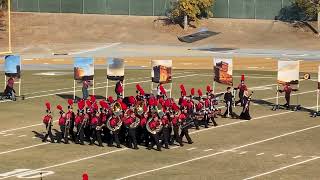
(278,144)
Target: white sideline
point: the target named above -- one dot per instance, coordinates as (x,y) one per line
(282,168)
(221,152)
(27,147)
(95,49)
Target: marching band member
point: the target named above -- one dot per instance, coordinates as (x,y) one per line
(175,124)
(183,121)
(85,86)
(131,122)
(119,89)
(228,100)
(95,134)
(142,114)
(9,90)
(245,114)
(110,100)
(70,116)
(62,123)
(183,94)
(101,128)
(163,93)
(209,106)
(140,93)
(165,131)
(114,123)
(242,88)
(287,89)
(153,126)
(79,123)
(47,121)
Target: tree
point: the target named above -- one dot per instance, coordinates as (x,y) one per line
(3,4)
(312,9)
(191,10)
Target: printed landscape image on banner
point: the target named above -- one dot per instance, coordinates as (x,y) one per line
(161,71)
(222,69)
(319,77)
(83,68)
(288,72)
(115,69)
(12,66)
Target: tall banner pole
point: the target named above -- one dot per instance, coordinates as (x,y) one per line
(93,86)
(124,82)
(19,86)
(277,99)
(107,88)
(5,81)
(151,87)
(74,89)
(93,78)
(170,89)
(318,91)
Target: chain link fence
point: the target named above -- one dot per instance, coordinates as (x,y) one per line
(245,9)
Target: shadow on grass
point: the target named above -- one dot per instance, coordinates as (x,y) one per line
(70,96)
(38,134)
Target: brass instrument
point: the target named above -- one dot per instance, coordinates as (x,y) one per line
(157,129)
(138,108)
(117,109)
(135,123)
(116,127)
(67,127)
(83,124)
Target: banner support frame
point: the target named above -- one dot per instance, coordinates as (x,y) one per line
(74,89)
(107,86)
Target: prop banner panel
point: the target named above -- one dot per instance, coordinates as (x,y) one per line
(12,66)
(115,70)
(223,69)
(83,68)
(161,71)
(288,72)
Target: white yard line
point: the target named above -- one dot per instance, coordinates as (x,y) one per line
(8,135)
(174,147)
(74,161)
(218,153)
(19,149)
(278,155)
(22,136)
(190,149)
(296,157)
(282,168)
(243,152)
(9,130)
(260,154)
(207,150)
